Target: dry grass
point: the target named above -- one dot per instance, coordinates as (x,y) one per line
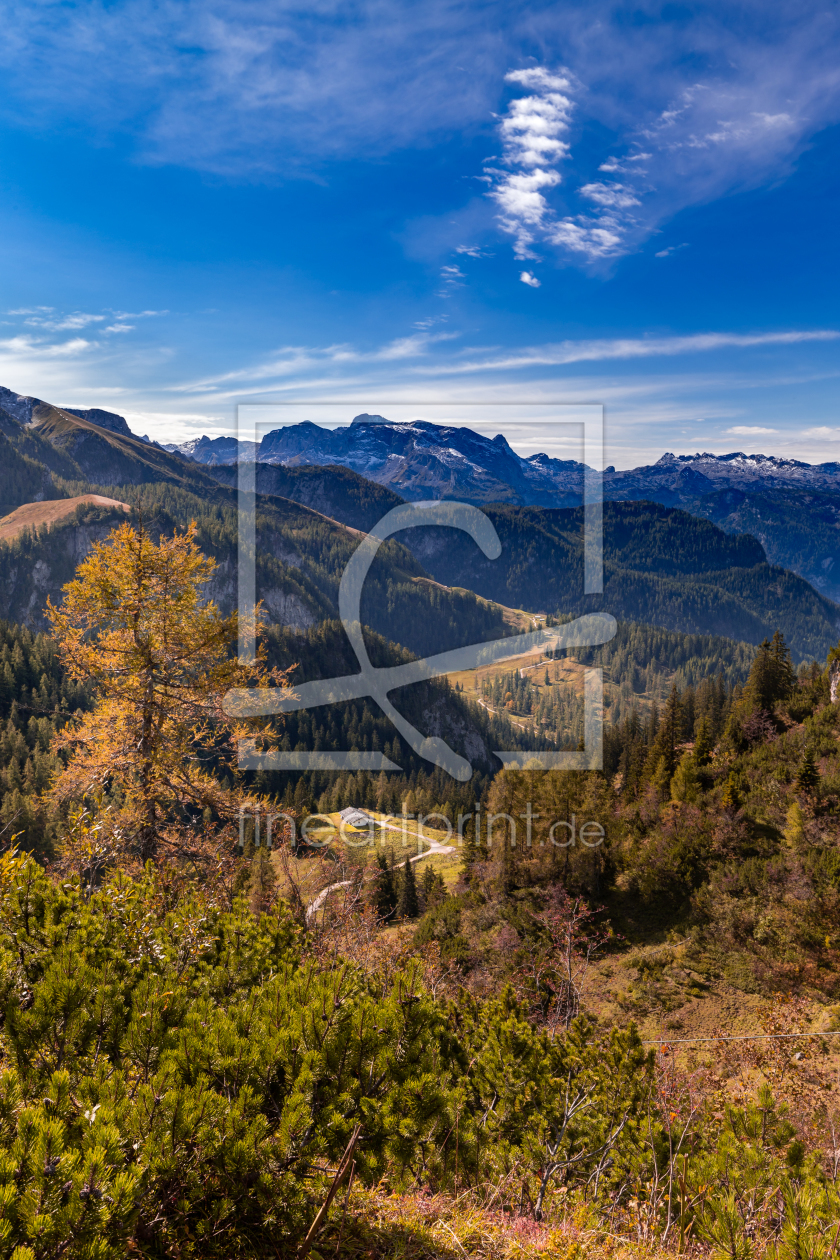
(31,515)
(380,1225)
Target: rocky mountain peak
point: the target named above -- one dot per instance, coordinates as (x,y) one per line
(20,406)
(102,419)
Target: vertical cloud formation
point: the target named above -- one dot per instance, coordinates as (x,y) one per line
(531,132)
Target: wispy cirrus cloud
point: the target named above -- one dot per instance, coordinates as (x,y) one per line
(749,430)
(290,361)
(299,366)
(41,349)
(687,129)
(451,277)
(78,319)
(670,249)
(602,350)
(45,319)
(684,106)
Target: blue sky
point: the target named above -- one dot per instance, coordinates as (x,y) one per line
(205,203)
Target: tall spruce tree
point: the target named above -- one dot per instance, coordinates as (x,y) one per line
(384,890)
(771,676)
(408,905)
(808,776)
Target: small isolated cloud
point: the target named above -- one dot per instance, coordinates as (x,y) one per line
(614,196)
(672,249)
(119,328)
(749,430)
(822,431)
(79,319)
(452,277)
(121,315)
(39,349)
(529,278)
(473,251)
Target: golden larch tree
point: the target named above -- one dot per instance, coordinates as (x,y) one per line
(147,761)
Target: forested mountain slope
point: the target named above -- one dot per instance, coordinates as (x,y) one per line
(337,492)
(301,557)
(661,566)
(798,528)
(42,447)
(649,542)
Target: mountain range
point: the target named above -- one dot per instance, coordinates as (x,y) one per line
(428,590)
(792,507)
(420,459)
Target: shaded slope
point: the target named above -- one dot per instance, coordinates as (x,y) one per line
(661,566)
(336,491)
(301,556)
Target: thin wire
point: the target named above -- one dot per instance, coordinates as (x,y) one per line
(682,1041)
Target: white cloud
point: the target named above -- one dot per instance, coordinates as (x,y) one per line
(46,320)
(408,347)
(38,349)
(671,249)
(614,196)
(532,129)
(77,320)
(748,430)
(822,431)
(120,315)
(606,349)
(595,238)
(524,208)
(527,277)
(532,134)
(452,277)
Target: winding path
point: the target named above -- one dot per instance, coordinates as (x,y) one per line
(434,847)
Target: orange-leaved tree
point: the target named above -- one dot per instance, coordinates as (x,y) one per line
(145,767)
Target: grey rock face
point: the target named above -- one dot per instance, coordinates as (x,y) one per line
(103,419)
(20,406)
(834,681)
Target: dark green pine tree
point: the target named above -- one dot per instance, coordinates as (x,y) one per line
(427,884)
(703,742)
(783,672)
(384,892)
(771,676)
(808,776)
(408,905)
(662,757)
(472,849)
